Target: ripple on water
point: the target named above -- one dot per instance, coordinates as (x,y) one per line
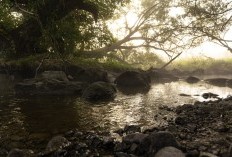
(51,115)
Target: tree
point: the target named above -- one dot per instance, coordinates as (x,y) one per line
(175,26)
(45,19)
(163,26)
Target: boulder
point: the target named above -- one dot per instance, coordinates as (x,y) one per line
(169,152)
(133,82)
(99,91)
(21,153)
(49,87)
(192,79)
(128,129)
(55,75)
(156,141)
(221,82)
(89,75)
(56,143)
(134,138)
(209,95)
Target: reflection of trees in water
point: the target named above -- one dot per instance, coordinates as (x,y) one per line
(49,113)
(12,126)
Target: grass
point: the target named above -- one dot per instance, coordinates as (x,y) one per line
(34,60)
(205,64)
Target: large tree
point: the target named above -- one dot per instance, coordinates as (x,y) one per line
(34,21)
(169,26)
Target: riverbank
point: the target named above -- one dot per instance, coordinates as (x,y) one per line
(200,129)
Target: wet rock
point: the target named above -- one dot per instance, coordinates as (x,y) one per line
(57,143)
(169,152)
(206,154)
(134,138)
(119,131)
(21,153)
(132,81)
(192,153)
(99,91)
(158,75)
(108,142)
(122,154)
(192,79)
(209,95)
(56,75)
(128,129)
(221,82)
(181,120)
(156,141)
(183,94)
(89,75)
(49,87)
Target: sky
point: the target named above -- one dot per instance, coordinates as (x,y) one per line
(206,49)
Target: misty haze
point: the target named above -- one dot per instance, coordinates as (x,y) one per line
(133,78)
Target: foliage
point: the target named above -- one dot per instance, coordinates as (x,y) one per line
(62,31)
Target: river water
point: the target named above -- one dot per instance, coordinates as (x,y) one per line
(36,117)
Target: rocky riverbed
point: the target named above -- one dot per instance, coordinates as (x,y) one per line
(200,129)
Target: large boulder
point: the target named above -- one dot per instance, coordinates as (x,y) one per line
(89,75)
(221,82)
(156,141)
(56,75)
(132,81)
(56,143)
(99,91)
(192,79)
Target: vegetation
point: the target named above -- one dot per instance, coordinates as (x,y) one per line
(71,28)
(209,65)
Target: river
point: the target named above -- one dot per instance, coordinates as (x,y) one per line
(23,120)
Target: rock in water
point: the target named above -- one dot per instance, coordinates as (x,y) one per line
(156,141)
(57,143)
(99,91)
(169,152)
(56,75)
(192,79)
(20,153)
(131,82)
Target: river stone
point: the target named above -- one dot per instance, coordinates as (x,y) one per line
(57,75)
(128,129)
(20,153)
(133,79)
(221,82)
(89,75)
(209,95)
(134,138)
(192,79)
(57,143)
(169,152)
(99,91)
(49,87)
(156,141)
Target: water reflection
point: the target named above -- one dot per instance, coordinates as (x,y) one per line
(58,114)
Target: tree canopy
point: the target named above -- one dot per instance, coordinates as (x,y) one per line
(65,26)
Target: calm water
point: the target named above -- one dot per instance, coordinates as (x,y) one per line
(21,117)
